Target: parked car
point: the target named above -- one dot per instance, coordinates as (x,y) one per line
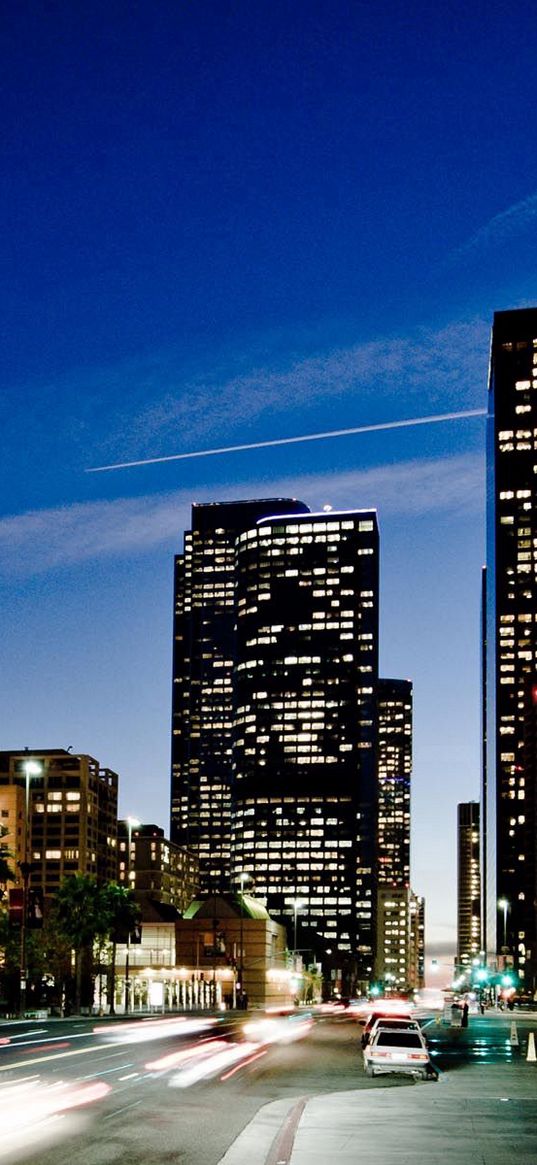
(376,1015)
(390,1023)
(397,1050)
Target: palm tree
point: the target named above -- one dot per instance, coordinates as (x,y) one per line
(124,916)
(82,913)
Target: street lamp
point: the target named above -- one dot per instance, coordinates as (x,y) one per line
(31,769)
(297,905)
(132,823)
(242,879)
(504,905)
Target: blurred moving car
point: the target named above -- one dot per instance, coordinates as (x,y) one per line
(390,1022)
(393,1050)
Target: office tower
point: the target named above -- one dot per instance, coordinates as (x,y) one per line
(305,791)
(417,941)
(202,699)
(394,964)
(468,883)
(394,704)
(72,815)
(157,871)
(510,638)
(400,949)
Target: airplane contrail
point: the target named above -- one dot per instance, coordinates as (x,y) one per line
(433,420)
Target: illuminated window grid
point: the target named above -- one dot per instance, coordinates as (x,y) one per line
(294,707)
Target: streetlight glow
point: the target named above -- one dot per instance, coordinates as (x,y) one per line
(504,905)
(297,905)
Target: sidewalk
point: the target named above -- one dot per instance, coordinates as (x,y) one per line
(483,1114)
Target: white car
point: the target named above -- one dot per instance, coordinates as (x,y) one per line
(393,1024)
(398,1050)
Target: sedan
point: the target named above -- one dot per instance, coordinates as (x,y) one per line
(398,1051)
(407,1025)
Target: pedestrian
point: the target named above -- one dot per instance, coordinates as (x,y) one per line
(465,1010)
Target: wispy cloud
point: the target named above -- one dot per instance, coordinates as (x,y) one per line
(440,367)
(516,219)
(157,403)
(48,540)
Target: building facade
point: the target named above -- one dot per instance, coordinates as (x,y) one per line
(304,751)
(274,711)
(202,694)
(394,773)
(417,941)
(400,951)
(156,870)
(468,883)
(72,815)
(510,615)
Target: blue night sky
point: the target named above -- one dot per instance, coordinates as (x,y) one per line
(230,222)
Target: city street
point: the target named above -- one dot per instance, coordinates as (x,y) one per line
(157,1092)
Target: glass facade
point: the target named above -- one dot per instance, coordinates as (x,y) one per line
(510,622)
(468,883)
(202,697)
(304,749)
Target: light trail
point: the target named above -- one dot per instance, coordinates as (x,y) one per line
(439,418)
(62,1056)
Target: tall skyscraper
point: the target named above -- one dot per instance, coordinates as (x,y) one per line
(304,784)
(395,963)
(394,771)
(203,662)
(468,883)
(510,637)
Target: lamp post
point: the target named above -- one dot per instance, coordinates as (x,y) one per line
(504,905)
(242,879)
(31,769)
(297,905)
(132,823)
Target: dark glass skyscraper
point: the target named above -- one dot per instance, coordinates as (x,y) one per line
(511,644)
(305,790)
(202,699)
(468,883)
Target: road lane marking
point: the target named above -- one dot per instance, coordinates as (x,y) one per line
(36,1032)
(48,1040)
(59,1056)
(117,1111)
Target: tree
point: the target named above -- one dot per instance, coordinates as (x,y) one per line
(82,914)
(6,872)
(124,917)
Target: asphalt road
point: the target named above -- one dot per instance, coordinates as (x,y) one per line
(106,1097)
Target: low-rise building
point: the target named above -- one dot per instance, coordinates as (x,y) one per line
(225,951)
